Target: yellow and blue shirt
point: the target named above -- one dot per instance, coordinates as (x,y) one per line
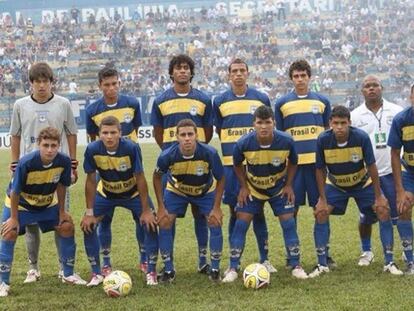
(36,184)
(233,118)
(402,136)
(127,110)
(347,165)
(266,166)
(304,118)
(193,176)
(117,171)
(169,108)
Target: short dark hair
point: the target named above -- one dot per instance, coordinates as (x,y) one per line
(340,111)
(263,112)
(48,133)
(178,60)
(186,123)
(238,61)
(107,72)
(40,70)
(300,65)
(110,121)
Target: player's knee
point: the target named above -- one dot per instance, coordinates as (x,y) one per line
(322,217)
(66,229)
(383,213)
(10,236)
(166,223)
(406,215)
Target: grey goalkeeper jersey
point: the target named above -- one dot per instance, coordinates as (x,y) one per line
(30,117)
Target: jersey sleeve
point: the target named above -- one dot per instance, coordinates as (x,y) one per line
(91,128)
(137,160)
(320,157)
(137,121)
(326,113)
(69,124)
(367,150)
(89,165)
(217,166)
(162,163)
(395,135)
(238,156)
(278,117)
(156,116)
(293,155)
(65,177)
(19,179)
(218,120)
(208,113)
(16,125)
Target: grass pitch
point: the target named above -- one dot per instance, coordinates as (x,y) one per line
(348,287)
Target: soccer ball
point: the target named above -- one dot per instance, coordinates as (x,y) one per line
(256,276)
(117,283)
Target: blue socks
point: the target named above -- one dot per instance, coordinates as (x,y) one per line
(166,246)
(92,250)
(216,247)
(6,260)
(151,245)
(201,232)
(238,239)
(68,251)
(291,241)
(105,240)
(140,235)
(366,244)
(405,229)
(387,240)
(262,236)
(321,236)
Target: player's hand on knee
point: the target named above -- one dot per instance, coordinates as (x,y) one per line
(321,209)
(148,218)
(163,216)
(74,176)
(9,226)
(88,223)
(215,218)
(381,202)
(64,217)
(287,192)
(244,196)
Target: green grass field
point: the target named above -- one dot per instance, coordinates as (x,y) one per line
(348,287)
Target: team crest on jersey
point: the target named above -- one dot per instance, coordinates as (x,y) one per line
(122,167)
(127,117)
(315,109)
(253,109)
(193,111)
(276,161)
(389,120)
(199,171)
(56,178)
(355,158)
(42,116)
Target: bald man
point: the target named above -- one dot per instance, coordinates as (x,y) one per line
(375,117)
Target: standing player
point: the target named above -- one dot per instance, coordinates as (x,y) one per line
(233,117)
(345,168)
(271,162)
(194,176)
(304,115)
(122,183)
(375,117)
(31,114)
(36,195)
(128,112)
(402,136)
(180,102)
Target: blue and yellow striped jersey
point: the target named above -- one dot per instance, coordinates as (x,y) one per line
(347,165)
(127,110)
(193,176)
(304,118)
(169,108)
(117,171)
(233,117)
(266,167)
(402,136)
(37,183)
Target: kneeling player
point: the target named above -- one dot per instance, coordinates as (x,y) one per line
(122,183)
(271,162)
(194,176)
(346,153)
(36,195)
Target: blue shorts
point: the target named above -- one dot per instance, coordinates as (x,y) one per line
(231,187)
(278,204)
(305,183)
(388,189)
(106,207)
(408,181)
(47,218)
(177,204)
(364,198)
